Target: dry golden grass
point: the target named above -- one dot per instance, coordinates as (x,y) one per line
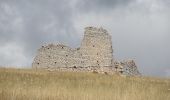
(20,84)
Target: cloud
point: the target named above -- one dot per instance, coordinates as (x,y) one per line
(33,23)
(167,73)
(101,5)
(139,28)
(11,55)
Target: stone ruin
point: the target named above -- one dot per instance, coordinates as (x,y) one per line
(95,54)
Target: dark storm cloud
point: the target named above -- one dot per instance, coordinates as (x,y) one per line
(35,22)
(101,5)
(140,29)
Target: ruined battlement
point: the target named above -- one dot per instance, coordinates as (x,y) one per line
(94,31)
(56,46)
(94,54)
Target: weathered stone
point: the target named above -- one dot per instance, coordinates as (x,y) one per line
(127,67)
(94,55)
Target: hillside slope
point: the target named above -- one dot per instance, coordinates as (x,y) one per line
(22,84)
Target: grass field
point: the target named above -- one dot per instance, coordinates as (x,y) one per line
(22,84)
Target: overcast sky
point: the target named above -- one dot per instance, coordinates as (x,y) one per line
(140,29)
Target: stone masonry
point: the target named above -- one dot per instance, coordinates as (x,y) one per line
(94,55)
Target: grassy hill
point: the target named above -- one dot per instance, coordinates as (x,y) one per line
(22,84)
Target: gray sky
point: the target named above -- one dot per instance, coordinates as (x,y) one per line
(140,29)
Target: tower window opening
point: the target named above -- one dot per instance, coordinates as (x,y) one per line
(93,45)
(74,66)
(121,72)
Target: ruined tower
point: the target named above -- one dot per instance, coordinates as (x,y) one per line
(94,54)
(96,47)
(95,50)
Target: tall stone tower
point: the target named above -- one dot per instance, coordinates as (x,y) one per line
(96,47)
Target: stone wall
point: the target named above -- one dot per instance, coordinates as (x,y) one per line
(96,47)
(94,54)
(95,50)
(130,68)
(126,67)
(54,56)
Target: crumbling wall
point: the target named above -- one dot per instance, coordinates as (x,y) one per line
(54,56)
(95,50)
(130,68)
(94,55)
(126,67)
